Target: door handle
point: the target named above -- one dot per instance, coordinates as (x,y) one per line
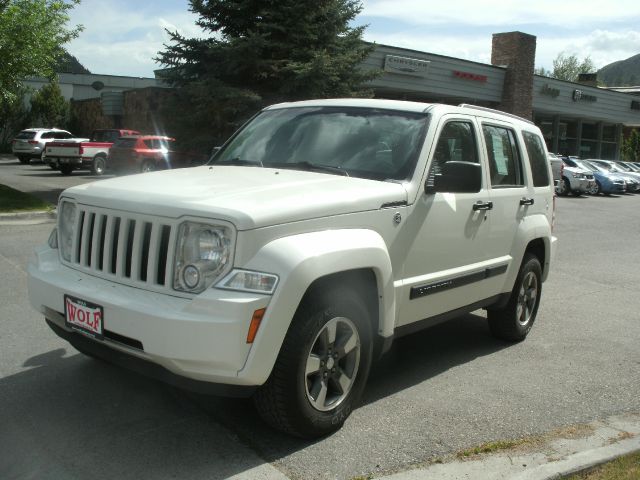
(526,201)
(480,205)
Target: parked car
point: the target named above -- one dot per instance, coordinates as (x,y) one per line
(556,168)
(145,153)
(632,165)
(575,179)
(632,178)
(30,143)
(91,154)
(606,182)
(321,231)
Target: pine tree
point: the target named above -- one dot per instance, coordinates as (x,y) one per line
(264,51)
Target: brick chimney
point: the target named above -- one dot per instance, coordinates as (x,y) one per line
(517,52)
(589,79)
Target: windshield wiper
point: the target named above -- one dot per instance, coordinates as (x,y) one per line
(240,161)
(311,167)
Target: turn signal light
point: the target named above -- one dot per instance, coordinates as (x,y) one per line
(255,324)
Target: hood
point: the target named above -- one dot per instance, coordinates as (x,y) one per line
(248,197)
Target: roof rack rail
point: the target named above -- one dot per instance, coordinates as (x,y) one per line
(493,110)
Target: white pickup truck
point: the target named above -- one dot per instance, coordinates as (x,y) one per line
(318,233)
(92,154)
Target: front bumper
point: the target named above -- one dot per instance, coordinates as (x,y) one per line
(184,341)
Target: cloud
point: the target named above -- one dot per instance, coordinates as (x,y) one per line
(570,13)
(119,40)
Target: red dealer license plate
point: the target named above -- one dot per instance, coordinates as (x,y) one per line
(83,316)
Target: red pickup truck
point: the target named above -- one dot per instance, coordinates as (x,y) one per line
(69,156)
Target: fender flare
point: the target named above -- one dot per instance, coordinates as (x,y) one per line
(301,259)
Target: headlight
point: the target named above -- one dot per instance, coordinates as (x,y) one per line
(53,238)
(203,252)
(67,225)
(247,281)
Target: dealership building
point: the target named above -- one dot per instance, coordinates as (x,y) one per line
(575,118)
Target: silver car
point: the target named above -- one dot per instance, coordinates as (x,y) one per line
(30,143)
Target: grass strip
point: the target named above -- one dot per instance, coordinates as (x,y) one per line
(622,468)
(12,200)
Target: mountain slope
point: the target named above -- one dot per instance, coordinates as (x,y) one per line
(621,73)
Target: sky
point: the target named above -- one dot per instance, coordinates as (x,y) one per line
(122,37)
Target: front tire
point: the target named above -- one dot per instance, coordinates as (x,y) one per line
(564,187)
(514,321)
(322,367)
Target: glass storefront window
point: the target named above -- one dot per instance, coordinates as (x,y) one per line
(588,149)
(608,151)
(609,133)
(590,131)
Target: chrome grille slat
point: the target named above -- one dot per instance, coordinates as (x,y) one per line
(152,262)
(135,251)
(132,249)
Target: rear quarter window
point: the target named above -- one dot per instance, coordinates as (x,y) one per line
(26,135)
(126,142)
(537,159)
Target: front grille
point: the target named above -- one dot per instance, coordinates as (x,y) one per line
(124,247)
(589,177)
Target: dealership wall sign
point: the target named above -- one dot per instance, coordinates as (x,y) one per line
(551,92)
(580,96)
(470,76)
(406,65)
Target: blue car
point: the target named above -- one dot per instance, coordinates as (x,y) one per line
(606,181)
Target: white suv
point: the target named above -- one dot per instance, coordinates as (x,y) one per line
(319,232)
(30,143)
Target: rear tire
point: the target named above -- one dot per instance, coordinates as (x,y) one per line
(148,166)
(66,169)
(23,159)
(513,322)
(99,165)
(322,366)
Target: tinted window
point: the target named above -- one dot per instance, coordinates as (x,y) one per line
(537,159)
(106,136)
(46,135)
(61,135)
(363,142)
(504,158)
(26,135)
(457,142)
(125,142)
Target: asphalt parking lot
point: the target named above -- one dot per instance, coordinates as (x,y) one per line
(63,415)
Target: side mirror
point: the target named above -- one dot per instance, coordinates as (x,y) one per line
(456,177)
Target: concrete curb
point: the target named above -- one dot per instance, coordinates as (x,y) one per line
(552,459)
(581,461)
(29,217)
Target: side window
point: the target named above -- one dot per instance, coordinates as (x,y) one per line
(505,164)
(537,159)
(46,135)
(456,143)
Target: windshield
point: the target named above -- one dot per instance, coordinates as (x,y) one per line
(623,167)
(584,165)
(358,142)
(594,167)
